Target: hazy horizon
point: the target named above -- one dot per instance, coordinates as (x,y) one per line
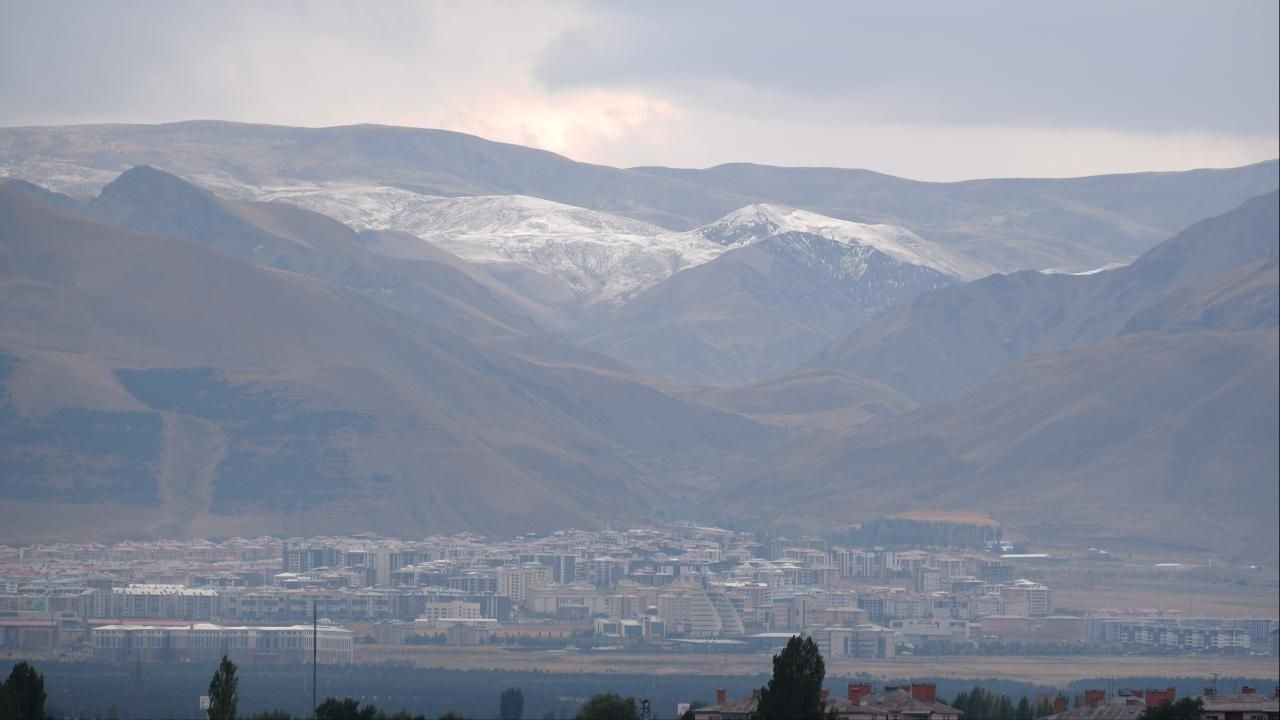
(1259,161)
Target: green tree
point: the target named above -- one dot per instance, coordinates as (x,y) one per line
(345,709)
(795,691)
(1024,710)
(1188,708)
(979,703)
(223,696)
(22,694)
(511,704)
(608,706)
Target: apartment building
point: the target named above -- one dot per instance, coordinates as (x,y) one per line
(206,642)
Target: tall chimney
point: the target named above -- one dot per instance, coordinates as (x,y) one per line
(720,696)
(1094,698)
(1059,704)
(857,691)
(924,692)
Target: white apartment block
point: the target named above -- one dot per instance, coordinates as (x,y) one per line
(433,612)
(206,642)
(515,581)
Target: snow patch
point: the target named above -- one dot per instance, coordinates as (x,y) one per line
(603,257)
(755,222)
(1095,271)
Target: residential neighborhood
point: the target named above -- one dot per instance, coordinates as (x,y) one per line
(682,588)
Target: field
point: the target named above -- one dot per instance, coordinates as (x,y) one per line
(1188,604)
(949,516)
(1039,670)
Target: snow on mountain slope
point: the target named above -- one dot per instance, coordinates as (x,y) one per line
(602,257)
(1094,271)
(756,222)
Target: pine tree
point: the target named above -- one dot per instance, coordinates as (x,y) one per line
(345,709)
(1188,708)
(608,706)
(223,696)
(22,695)
(795,691)
(511,704)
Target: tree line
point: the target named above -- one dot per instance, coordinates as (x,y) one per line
(224,698)
(793,691)
(978,703)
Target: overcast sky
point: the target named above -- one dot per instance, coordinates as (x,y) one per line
(929,90)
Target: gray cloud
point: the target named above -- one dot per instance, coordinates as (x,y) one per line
(1151,65)
(930,90)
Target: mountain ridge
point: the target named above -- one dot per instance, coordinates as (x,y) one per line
(940,342)
(758,310)
(600,257)
(1065,446)
(288,399)
(1010,224)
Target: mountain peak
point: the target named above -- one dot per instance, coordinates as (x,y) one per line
(148,174)
(150,200)
(146,182)
(756,222)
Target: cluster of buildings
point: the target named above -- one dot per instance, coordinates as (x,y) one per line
(207,642)
(1248,704)
(1227,634)
(680,585)
(919,701)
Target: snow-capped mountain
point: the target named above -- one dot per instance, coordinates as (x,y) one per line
(757,222)
(758,310)
(602,257)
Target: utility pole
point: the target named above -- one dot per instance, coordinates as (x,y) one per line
(315,633)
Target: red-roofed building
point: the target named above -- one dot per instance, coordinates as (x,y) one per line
(912,702)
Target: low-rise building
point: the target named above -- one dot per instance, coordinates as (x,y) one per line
(433,612)
(1246,705)
(206,642)
(918,701)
